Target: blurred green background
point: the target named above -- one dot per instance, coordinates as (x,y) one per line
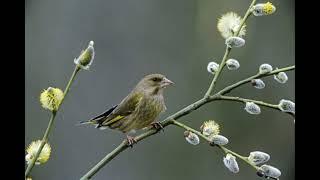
(132,39)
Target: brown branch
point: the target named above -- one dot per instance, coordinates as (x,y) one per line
(169,120)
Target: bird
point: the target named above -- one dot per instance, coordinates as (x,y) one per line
(138,110)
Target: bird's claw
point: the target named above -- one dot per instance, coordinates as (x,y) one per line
(157,126)
(131,141)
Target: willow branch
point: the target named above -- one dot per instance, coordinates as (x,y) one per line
(244,19)
(66,90)
(124,145)
(183,126)
(188,109)
(243,100)
(217,74)
(245,159)
(43,142)
(247,80)
(223,148)
(227,51)
(51,122)
(170,120)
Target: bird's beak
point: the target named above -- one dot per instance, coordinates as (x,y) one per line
(166,82)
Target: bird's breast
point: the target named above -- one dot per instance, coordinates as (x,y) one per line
(146,112)
(149,110)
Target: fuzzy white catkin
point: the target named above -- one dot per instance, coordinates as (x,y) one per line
(252,108)
(281,77)
(287,106)
(207,131)
(220,140)
(258,157)
(233,41)
(212,67)
(230,23)
(261,10)
(209,128)
(257,10)
(231,163)
(86,57)
(270,171)
(191,138)
(258,83)
(265,68)
(232,64)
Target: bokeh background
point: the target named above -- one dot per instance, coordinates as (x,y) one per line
(132,39)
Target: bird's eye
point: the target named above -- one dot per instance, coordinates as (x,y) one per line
(156,79)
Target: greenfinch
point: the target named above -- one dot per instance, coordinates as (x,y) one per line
(138,110)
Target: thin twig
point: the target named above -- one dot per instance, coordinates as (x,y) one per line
(224,149)
(227,51)
(243,100)
(217,74)
(51,122)
(247,80)
(181,125)
(43,142)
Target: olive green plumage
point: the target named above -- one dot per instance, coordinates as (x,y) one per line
(139,109)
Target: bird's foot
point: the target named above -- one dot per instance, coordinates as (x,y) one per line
(157,126)
(131,140)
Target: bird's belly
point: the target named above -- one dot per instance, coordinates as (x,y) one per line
(144,116)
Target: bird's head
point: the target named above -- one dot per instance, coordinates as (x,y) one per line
(154,83)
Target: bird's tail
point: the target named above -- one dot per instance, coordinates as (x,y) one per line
(85,122)
(95,122)
(98,119)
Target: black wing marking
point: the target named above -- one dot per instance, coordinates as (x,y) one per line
(105,114)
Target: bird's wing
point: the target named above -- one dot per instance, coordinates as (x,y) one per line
(125,108)
(104,114)
(99,118)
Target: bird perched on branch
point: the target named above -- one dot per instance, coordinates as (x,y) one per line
(138,110)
